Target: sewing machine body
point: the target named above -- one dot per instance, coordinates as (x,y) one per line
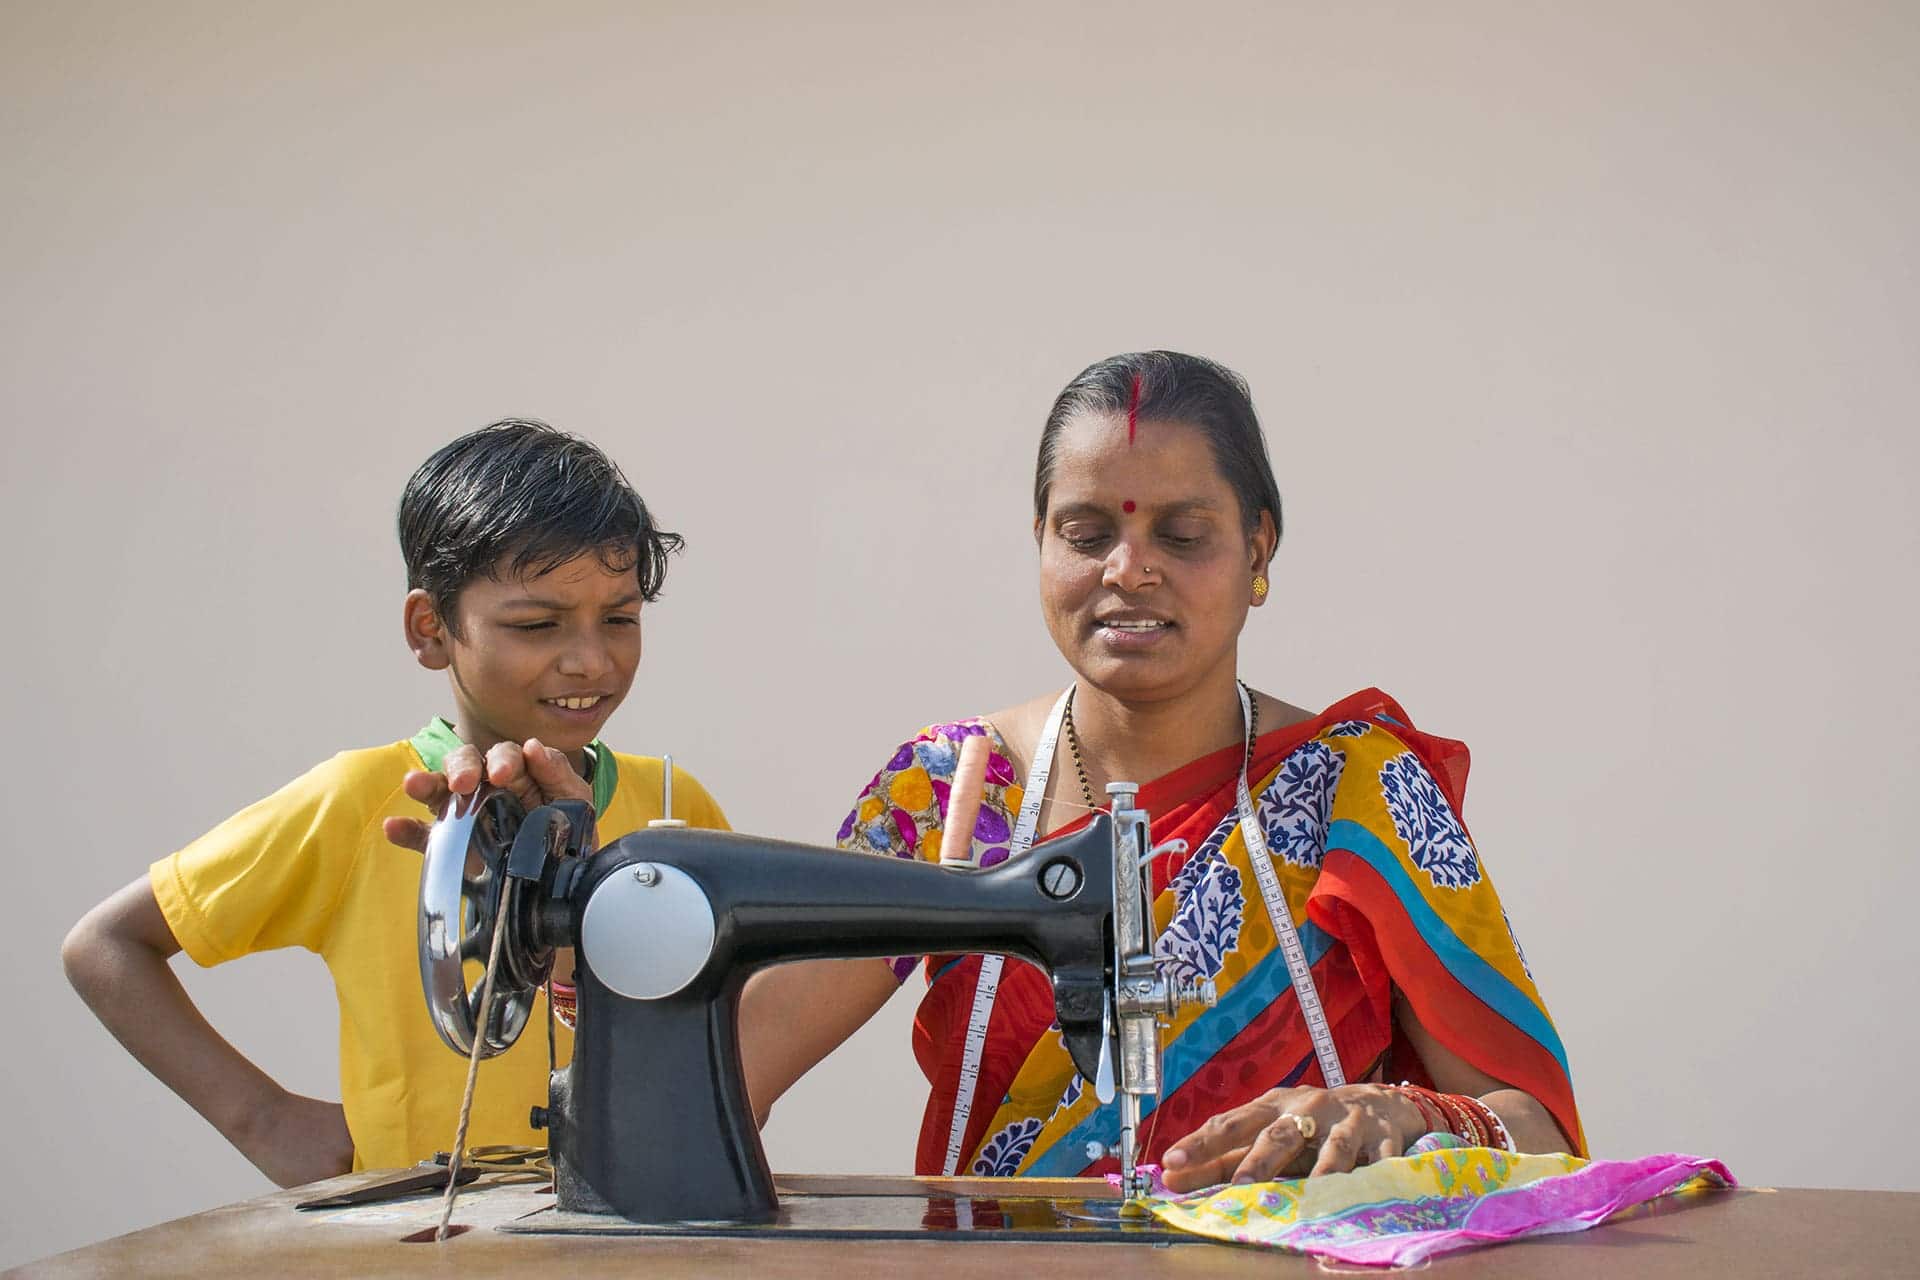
(651,1119)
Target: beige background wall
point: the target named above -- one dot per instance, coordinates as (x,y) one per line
(1584,335)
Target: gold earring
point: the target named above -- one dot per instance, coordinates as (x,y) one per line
(1259,586)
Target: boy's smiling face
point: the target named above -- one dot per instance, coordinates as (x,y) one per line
(545,656)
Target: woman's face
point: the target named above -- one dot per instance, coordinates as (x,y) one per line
(1146,569)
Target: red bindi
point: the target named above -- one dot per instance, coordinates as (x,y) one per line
(1127,506)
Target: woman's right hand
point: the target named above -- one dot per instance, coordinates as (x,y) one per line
(1288,1132)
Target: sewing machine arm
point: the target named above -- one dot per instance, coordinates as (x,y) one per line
(671,922)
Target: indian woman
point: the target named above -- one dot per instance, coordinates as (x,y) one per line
(1370,988)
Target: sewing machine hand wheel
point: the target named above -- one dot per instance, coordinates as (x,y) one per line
(464,888)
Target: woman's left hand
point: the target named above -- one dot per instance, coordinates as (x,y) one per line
(1286,1132)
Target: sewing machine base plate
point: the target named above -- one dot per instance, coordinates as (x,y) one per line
(995,1219)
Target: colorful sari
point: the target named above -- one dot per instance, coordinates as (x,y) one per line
(1382,881)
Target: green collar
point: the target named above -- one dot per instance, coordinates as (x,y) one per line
(433,742)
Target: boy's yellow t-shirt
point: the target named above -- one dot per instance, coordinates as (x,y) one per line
(310,866)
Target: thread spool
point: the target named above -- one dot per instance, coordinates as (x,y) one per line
(963,802)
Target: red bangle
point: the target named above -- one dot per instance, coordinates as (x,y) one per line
(1459,1119)
(1463,1116)
(1495,1132)
(1466,1106)
(1497,1135)
(1430,1106)
(1434,1121)
(561,997)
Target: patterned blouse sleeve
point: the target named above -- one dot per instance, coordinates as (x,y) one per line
(902,811)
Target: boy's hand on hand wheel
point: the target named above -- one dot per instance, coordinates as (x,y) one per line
(534,772)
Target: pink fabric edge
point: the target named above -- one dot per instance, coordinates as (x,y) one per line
(1568,1202)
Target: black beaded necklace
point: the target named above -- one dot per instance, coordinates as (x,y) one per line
(1080,768)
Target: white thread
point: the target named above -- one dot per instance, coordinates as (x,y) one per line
(473,1062)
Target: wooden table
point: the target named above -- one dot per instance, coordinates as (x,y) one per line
(1788,1233)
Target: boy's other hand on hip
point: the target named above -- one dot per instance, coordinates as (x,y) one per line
(295,1140)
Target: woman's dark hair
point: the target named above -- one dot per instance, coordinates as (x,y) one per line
(1168,386)
(518,498)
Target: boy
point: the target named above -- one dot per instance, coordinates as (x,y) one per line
(529,557)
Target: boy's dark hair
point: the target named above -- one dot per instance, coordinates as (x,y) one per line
(519,497)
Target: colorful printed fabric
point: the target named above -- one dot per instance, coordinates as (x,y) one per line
(1401,1212)
(1435,1141)
(1383,883)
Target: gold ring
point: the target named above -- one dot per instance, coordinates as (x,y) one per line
(1306,1126)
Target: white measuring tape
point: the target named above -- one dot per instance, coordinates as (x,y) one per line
(987,987)
(1283,931)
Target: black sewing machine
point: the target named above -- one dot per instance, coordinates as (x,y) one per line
(651,1119)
